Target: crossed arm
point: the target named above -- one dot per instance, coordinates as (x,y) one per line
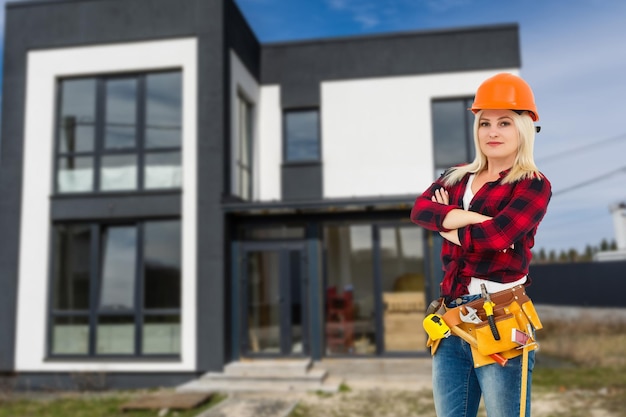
(456,218)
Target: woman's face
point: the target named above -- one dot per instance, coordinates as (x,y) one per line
(498,136)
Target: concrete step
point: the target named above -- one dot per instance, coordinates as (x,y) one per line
(311,375)
(375,367)
(265,376)
(206,385)
(268,367)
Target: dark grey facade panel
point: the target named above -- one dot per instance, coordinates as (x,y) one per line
(302,182)
(299,67)
(93,381)
(211,171)
(64,23)
(241,38)
(11,153)
(120,207)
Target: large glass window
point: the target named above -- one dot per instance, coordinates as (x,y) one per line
(402,280)
(119,133)
(452,133)
(116,289)
(243,162)
(302,136)
(374,271)
(350,308)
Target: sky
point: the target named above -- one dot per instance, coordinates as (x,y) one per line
(572,56)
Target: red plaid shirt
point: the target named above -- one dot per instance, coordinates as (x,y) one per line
(516,209)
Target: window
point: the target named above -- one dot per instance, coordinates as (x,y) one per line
(350,311)
(302,136)
(119,133)
(116,289)
(243,160)
(452,133)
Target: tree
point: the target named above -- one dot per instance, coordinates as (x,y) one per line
(604,245)
(552,256)
(542,255)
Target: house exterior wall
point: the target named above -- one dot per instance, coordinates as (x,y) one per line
(374,100)
(44,67)
(299,67)
(372,129)
(37,27)
(374,96)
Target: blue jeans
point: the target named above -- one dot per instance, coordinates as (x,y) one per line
(457,385)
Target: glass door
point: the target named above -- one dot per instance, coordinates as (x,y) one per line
(274,299)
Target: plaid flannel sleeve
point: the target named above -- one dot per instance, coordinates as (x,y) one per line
(520,216)
(430,214)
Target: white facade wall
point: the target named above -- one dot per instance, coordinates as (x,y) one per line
(44,68)
(269,147)
(376,133)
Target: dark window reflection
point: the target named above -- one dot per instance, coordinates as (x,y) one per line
(452,132)
(163,110)
(162,264)
(77,116)
(71,267)
(302,136)
(117,290)
(121,105)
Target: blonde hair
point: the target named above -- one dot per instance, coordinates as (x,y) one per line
(524,166)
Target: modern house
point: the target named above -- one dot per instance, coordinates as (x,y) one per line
(177,195)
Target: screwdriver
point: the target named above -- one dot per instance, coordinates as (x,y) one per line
(488,306)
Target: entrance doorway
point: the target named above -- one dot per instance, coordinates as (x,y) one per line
(274,299)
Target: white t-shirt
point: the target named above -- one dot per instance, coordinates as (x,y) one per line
(474,285)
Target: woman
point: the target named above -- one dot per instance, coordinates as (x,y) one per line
(487,212)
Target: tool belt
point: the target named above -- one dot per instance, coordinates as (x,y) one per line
(513,310)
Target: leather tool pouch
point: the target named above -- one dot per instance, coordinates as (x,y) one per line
(513,310)
(487,344)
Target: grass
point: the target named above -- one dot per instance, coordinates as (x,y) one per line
(581,367)
(84,405)
(586,363)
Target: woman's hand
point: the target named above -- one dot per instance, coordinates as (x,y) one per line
(441,196)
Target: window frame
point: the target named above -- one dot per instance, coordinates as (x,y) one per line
(94,312)
(99,151)
(246,141)
(468,141)
(318,158)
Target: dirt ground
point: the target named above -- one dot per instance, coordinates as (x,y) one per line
(377,403)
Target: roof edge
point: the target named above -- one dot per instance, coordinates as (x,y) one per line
(387,35)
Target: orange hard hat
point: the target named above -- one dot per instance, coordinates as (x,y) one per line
(505,91)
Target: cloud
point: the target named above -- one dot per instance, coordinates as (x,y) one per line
(368,14)
(441,6)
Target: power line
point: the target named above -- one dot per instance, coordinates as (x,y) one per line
(581,148)
(590,181)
